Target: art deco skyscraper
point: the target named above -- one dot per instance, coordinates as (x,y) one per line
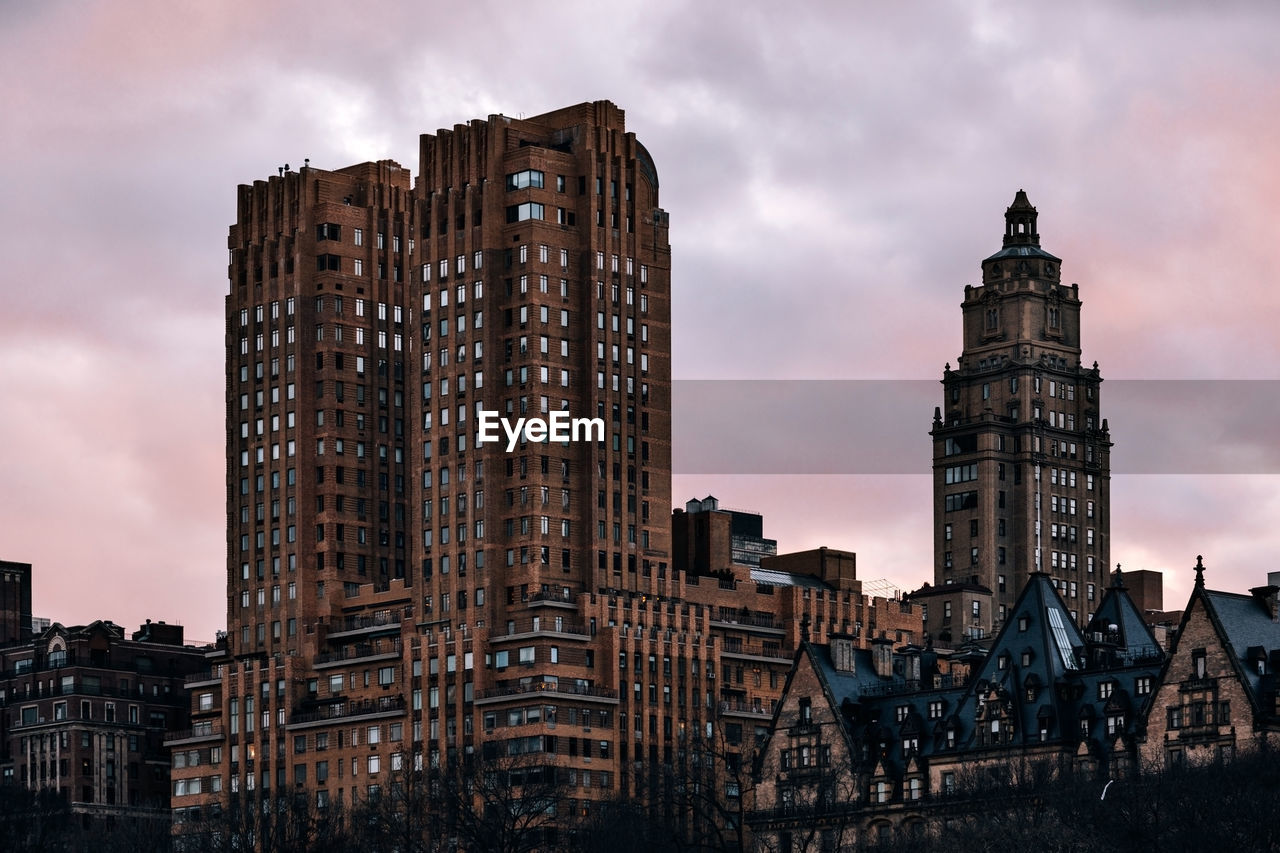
(1021,451)
(542,283)
(317,399)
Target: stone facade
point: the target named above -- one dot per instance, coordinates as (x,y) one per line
(1021,452)
(85,711)
(870,745)
(1218,693)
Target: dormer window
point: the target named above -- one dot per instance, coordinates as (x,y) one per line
(1024,622)
(1198,663)
(806,712)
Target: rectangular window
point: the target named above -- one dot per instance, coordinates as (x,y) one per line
(525,179)
(524,211)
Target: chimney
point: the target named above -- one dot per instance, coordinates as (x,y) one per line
(912,661)
(1268,598)
(842,650)
(882,656)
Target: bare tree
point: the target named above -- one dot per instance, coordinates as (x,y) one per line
(513,804)
(34,820)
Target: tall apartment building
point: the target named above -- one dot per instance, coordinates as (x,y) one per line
(1021,452)
(400,594)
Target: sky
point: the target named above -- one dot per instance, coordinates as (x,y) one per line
(834,173)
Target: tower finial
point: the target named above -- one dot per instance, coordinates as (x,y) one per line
(1020,223)
(1117,582)
(1199,571)
(804,629)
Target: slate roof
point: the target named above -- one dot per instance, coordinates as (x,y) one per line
(1131,631)
(1038,672)
(1022,252)
(1245,626)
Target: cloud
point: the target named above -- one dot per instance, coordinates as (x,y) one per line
(834,174)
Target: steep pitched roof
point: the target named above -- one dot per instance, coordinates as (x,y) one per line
(1131,637)
(1244,623)
(1036,676)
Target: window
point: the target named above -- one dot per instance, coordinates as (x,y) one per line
(525,179)
(523,211)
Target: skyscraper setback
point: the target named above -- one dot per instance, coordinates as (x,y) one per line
(400,596)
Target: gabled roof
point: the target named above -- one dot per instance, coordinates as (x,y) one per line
(1051,634)
(1243,622)
(1244,626)
(1057,688)
(1131,637)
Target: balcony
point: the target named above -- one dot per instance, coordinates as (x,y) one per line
(350,710)
(544,688)
(379,649)
(198,734)
(539,625)
(748,619)
(766,652)
(554,598)
(207,678)
(383,621)
(756,709)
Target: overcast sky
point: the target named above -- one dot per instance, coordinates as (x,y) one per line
(834,174)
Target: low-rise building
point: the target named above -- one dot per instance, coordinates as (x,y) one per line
(84,711)
(870,743)
(1218,692)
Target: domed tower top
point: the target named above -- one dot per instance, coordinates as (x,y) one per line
(1021,255)
(1020,223)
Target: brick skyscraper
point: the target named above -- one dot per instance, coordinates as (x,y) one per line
(544,286)
(401,597)
(1021,452)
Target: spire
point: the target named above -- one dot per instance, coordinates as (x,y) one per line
(1117,580)
(1020,223)
(1199,572)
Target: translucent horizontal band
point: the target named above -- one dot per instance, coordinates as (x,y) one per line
(742,426)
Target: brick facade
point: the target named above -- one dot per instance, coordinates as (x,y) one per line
(400,597)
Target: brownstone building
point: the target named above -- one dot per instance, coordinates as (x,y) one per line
(400,594)
(1218,692)
(1021,451)
(875,745)
(84,711)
